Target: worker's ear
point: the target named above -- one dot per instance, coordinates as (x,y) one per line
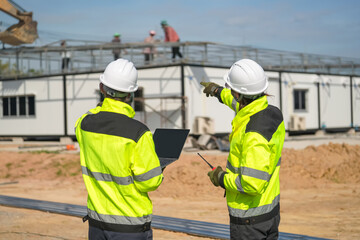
(236,95)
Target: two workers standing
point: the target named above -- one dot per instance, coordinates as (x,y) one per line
(120,165)
(149,52)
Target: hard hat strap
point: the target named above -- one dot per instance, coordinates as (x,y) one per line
(113,93)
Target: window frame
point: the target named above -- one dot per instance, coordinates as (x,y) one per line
(18,106)
(300,98)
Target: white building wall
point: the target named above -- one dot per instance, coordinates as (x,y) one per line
(82,95)
(308,82)
(202,106)
(273,89)
(335,101)
(48,119)
(160,82)
(356,102)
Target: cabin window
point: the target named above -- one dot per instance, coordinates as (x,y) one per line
(18,106)
(300,103)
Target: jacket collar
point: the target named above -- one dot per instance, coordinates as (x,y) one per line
(111,105)
(249,110)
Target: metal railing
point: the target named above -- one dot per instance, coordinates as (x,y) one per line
(89,56)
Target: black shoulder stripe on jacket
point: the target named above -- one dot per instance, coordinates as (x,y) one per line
(114,124)
(265,122)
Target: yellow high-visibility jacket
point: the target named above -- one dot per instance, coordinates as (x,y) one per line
(252,172)
(119,166)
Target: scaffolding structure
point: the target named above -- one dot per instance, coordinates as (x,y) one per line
(90,56)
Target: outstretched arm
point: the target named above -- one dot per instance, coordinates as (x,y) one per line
(223,95)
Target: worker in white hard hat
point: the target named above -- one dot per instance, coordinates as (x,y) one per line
(150,51)
(251,178)
(118,160)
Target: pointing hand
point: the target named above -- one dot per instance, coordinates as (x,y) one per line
(210,88)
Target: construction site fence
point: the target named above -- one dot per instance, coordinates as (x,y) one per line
(88,56)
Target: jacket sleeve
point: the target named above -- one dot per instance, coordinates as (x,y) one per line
(224,96)
(255,167)
(146,165)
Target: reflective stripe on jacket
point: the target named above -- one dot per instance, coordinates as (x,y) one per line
(252,180)
(119,166)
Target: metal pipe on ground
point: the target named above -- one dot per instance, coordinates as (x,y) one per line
(192,227)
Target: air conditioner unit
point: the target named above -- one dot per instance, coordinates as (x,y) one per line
(203,125)
(297,123)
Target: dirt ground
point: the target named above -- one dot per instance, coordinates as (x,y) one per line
(320,192)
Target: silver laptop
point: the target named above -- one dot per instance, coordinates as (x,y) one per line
(169,144)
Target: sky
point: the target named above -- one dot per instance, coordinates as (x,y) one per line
(327,27)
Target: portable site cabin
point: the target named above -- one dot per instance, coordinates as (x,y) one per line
(170,95)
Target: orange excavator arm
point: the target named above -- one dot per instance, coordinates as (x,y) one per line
(25,31)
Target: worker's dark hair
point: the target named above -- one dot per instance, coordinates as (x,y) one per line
(113,94)
(250,99)
(246,100)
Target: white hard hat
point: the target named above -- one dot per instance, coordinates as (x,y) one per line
(120,75)
(247,77)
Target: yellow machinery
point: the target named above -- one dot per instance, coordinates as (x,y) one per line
(25,31)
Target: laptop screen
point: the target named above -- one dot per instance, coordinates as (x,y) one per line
(169,142)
